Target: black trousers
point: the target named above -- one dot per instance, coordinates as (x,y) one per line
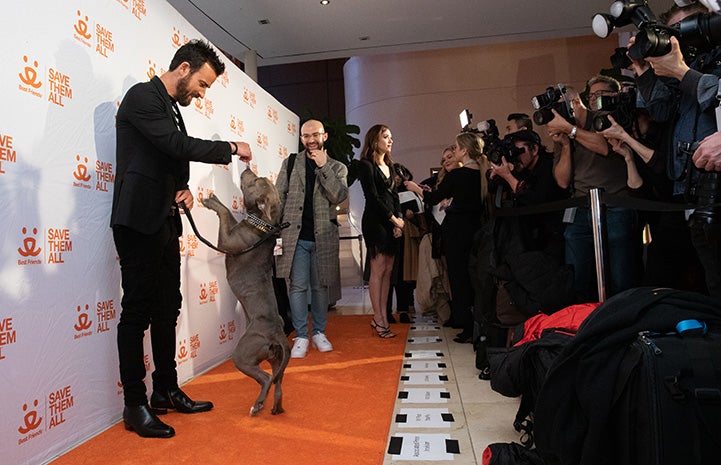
(706,239)
(150,271)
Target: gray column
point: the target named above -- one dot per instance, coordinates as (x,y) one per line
(250,62)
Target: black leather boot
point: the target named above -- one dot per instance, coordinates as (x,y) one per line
(176,399)
(144,422)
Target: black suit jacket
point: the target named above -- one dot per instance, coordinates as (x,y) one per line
(152,157)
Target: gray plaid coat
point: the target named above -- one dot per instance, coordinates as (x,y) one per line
(331,188)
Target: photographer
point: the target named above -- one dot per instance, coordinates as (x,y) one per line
(583,160)
(680,87)
(518,122)
(530,182)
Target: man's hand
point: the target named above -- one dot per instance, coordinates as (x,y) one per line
(558,124)
(503,170)
(184,196)
(243,152)
(708,155)
(637,66)
(320,157)
(615,131)
(671,64)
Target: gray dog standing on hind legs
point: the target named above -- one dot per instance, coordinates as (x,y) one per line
(249,248)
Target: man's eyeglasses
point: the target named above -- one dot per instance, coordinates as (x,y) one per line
(315,135)
(593,96)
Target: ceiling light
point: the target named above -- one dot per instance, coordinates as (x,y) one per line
(324,2)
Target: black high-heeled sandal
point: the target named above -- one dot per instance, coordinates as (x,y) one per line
(384,333)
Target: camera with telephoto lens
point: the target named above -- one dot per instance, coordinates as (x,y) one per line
(620,106)
(696,34)
(555,98)
(493,146)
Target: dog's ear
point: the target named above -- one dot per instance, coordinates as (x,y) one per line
(268,200)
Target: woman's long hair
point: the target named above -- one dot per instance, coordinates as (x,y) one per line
(474,145)
(370,144)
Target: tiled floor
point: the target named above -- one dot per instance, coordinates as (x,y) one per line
(443,412)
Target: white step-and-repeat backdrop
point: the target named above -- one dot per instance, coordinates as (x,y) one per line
(66,66)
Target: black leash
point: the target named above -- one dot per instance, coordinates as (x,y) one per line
(269,231)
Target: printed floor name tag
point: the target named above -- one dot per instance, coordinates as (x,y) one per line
(424,354)
(424,378)
(424,418)
(424,396)
(405,446)
(424,365)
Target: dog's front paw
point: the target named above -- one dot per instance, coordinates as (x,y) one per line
(211,202)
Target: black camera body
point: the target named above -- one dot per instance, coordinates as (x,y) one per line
(555,98)
(493,146)
(696,34)
(621,107)
(505,147)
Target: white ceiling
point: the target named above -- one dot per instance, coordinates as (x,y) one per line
(304,30)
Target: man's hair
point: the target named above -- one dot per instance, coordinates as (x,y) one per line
(608,80)
(197,53)
(522,120)
(690,9)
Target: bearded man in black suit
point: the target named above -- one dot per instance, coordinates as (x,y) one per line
(153,156)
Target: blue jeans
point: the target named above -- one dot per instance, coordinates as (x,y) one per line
(622,249)
(303,276)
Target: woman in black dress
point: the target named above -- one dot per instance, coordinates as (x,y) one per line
(468,187)
(382,223)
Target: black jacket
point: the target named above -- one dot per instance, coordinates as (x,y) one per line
(152,158)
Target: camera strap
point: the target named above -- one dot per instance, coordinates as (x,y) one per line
(718,106)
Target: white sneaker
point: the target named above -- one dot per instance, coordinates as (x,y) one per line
(300,347)
(321,343)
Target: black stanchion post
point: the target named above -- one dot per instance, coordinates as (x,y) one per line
(596,224)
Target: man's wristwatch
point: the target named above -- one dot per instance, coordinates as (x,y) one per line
(572,134)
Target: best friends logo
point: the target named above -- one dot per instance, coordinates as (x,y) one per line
(188,245)
(57,406)
(272,115)
(188,351)
(104,44)
(261,140)
(104,176)
(204,107)
(236,125)
(249,97)
(59,88)
(58,245)
(8,154)
(105,314)
(227,332)
(208,292)
(29,78)
(178,39)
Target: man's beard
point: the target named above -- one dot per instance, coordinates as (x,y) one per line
(183,96)
(319,146)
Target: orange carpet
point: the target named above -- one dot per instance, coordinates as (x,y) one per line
(338,408)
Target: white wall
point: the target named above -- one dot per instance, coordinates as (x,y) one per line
(66,67)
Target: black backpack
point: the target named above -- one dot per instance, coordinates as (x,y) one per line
(631,388)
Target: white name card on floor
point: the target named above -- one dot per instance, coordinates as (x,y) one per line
(424,396)
(425,320)
(424,365)
(425,340)
(424,418)
(406,446)
(424,354)
(424,378)
(425,328)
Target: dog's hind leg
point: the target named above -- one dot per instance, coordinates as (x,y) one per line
(278,364)
(263,378)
